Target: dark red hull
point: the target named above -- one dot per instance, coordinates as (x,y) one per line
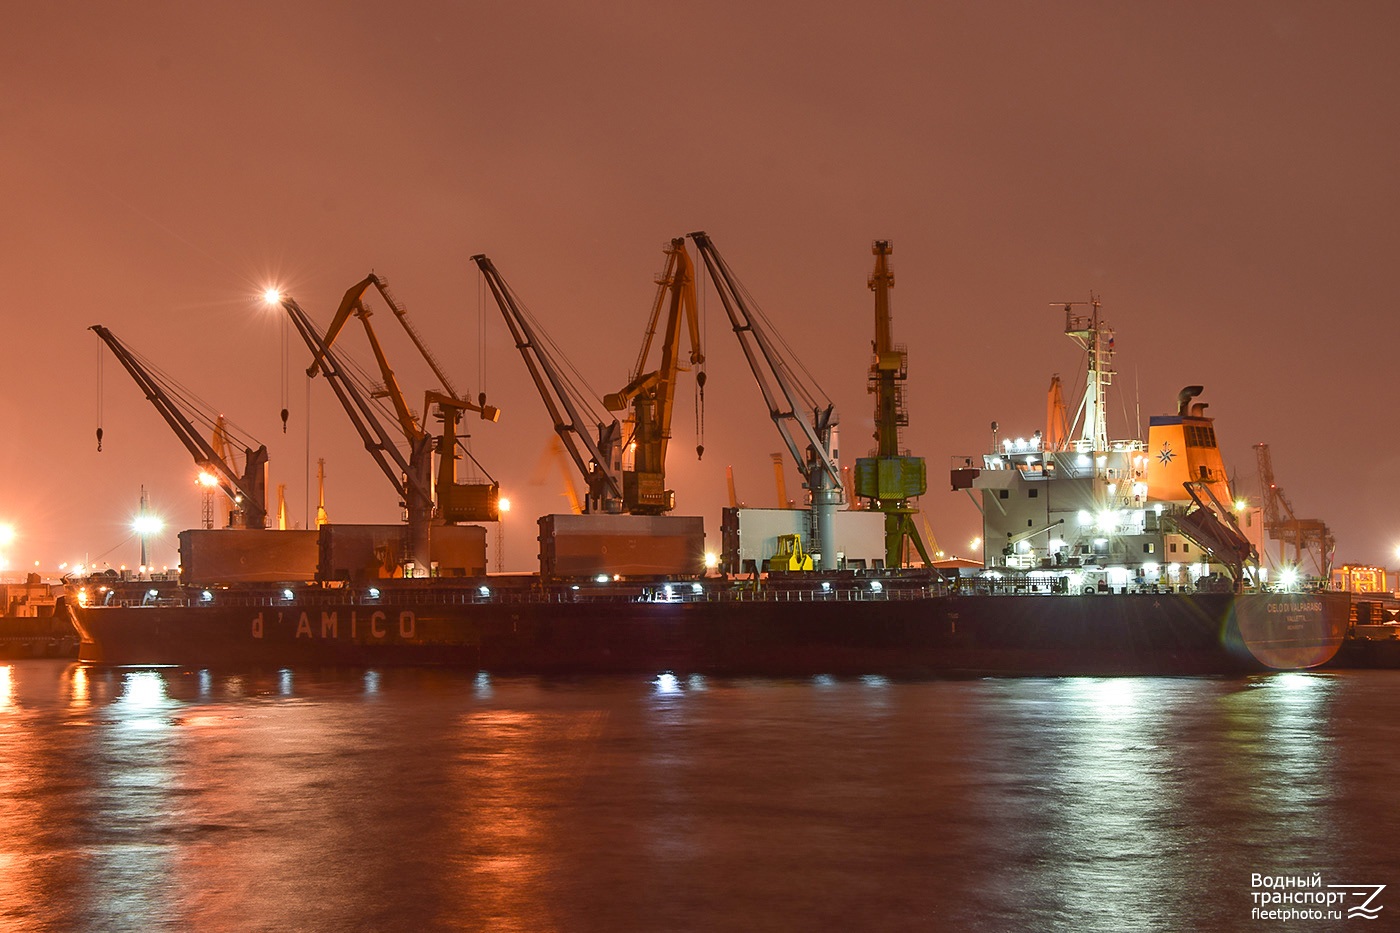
(798,633)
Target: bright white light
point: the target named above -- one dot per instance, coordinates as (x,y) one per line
(147,524)
(1149,567)
(484,590)
(207,480)
(667,683)
(272,296)
(1085,518)
(1056,544)
(1107,520)
(153,593)
(7,534)
(711,560)
(1082,460)
(286,594)
(876,586)
(206,596)
(601,578)
(374,592)
(1288,577)
(503,504)
(826,586)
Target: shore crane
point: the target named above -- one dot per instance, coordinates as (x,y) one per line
(890,478)
(1284,526)
(246,490)
(596,448)
(651,394)
(456,502)
(412,477)
(803,414)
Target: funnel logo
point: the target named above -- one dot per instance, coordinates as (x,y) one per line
(1368,909)
(1166,454)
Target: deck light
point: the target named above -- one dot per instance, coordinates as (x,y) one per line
(374,592)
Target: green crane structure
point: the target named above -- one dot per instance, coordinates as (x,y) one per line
(890,478)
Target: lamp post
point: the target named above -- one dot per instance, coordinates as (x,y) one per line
(145,525)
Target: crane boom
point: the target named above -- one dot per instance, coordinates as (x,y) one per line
(652,394)
(596,460)
(785,395)
(248,490)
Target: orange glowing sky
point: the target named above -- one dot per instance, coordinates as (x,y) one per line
(1221,175)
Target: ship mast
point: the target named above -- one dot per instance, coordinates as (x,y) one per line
(1096,338)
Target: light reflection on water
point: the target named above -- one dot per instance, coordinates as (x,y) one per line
(415,800)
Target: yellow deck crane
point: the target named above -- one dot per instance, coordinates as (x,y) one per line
(245,489)
(801,411)
(651,394)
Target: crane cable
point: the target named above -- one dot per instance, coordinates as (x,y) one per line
(700,376)
(286,369)
(99,392)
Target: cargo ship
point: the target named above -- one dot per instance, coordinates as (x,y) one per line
(1101,556)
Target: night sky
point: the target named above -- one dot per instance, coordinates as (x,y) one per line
(1222,176)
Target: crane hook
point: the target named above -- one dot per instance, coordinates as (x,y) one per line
(284,421)
(99,440)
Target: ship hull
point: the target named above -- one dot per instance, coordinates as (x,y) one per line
(801,635)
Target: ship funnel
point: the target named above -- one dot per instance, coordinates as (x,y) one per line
(1184,397)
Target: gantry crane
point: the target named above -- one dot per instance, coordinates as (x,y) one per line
(808,435)
(596,453)
(1284,526)
(456,502)
(246,490)
(651,394)
(890,478)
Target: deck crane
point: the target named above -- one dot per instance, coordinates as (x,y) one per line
(596,453)
(890,478)
(808,435)
(652,394)
(247,490)
(456,502)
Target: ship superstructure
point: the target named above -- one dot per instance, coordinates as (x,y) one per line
(1077,511)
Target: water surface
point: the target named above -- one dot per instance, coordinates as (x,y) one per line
(445,800)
